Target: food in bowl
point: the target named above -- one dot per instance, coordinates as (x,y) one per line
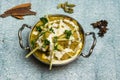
(56,39)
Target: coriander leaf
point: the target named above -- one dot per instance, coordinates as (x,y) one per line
(46,42)
(56,47)
(38,29)
(51,29)
(44,20)
(33,43)
(68,33)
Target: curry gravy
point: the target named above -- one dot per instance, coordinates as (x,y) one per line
(68,48)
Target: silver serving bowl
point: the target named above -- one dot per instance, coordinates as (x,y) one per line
(81,31)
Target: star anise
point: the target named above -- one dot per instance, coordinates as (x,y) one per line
(102,26)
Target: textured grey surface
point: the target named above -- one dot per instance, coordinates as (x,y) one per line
(103,64)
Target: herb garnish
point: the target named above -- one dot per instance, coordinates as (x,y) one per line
(46,42)
(102,26)
(33,43)
(56,47)
(51,29)
(38,29)
(44,20)
(68,33)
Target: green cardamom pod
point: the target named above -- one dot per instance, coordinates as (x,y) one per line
(69,5)
(59,6)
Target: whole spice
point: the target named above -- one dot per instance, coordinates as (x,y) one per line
(102,26)
(68,8)
(19,11)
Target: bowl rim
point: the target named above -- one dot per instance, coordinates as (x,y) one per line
(71,59)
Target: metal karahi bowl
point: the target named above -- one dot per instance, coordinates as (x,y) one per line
(38,55)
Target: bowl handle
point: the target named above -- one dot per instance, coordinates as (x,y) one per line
(20,36)
(93,44)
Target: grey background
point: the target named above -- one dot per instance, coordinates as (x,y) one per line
(103,64)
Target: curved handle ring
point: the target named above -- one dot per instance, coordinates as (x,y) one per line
(20,36)
(93,44)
